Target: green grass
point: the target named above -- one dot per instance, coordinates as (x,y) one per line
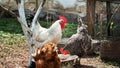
(10,39)
(10,31)
(10,25)
(69,30)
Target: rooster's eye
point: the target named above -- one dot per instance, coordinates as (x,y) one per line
(62,21)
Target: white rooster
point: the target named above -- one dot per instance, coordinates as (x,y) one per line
(52,34)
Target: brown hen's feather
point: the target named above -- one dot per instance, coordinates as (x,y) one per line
(47,56)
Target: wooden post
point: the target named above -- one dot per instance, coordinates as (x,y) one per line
(91,16)
(108,17)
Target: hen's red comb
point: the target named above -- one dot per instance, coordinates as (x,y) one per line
(63,18)
(64,51)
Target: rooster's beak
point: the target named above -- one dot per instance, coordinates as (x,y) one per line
(65,24)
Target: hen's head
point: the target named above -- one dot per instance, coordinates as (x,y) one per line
(63,21)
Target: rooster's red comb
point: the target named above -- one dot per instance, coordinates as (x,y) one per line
(63,18)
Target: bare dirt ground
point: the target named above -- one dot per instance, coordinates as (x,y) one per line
(94,62)
(18,58)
